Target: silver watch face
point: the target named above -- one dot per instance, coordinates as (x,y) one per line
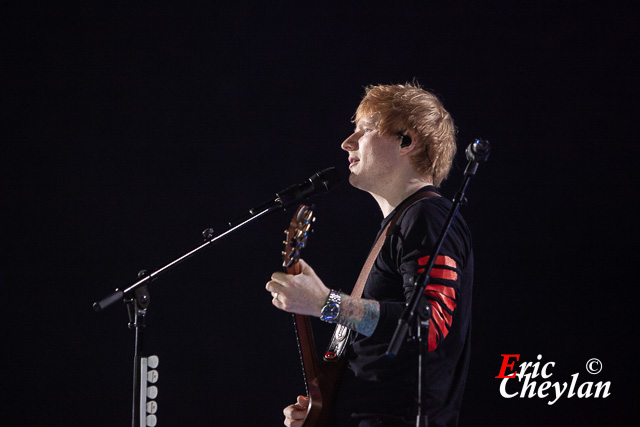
(330,312)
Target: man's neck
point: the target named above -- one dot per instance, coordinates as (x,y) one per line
(390,199)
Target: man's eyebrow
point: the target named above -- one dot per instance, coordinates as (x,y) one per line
(365,122)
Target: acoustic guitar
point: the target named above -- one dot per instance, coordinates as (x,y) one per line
(320,379)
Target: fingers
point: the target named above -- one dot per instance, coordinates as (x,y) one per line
(280,277)
(277,303)
(273,286)
(284,279)
(296,413)
(275,289)
(302,293)
(276,285)
(293,423)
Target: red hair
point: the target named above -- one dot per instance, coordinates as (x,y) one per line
(409,109)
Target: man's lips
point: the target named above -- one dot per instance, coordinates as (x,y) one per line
(353,161)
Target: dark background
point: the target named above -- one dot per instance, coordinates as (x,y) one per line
(129,127)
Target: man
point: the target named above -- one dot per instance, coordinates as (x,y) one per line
(403,143)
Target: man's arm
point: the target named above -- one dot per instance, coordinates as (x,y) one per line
(360,315)
(305,293)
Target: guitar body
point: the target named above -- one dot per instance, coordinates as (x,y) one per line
(321,379)
(325,388)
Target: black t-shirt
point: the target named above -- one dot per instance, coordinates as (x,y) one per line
(377,387)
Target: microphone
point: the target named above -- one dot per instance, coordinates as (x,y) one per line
(478,150)
(320,182)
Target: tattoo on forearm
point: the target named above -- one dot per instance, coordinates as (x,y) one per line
(360,315)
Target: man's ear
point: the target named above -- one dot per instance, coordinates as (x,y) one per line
(407,143)
(405,140)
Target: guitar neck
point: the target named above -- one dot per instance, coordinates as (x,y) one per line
(307,349)
(295,240)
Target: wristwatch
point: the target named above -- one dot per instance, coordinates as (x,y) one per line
(331,309)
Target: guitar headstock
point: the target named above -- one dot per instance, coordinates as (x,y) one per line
(296,235)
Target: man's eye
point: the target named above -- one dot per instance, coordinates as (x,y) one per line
(366,130)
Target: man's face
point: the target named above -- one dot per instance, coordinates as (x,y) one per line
(372,158)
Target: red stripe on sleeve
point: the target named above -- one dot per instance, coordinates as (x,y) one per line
(437,316)
(432,342)
(451,305)
(440,260)
(440,296)
(439,273)
(442,289)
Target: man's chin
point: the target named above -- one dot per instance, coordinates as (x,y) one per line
(355,181)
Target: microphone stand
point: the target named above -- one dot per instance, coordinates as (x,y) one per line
(209,237)
(137,298)
(322,181)
(416,316)
(137,306)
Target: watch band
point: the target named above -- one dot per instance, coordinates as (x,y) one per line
(333,297)
(331,309)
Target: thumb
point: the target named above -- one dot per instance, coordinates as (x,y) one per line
(303,402)
(306,268)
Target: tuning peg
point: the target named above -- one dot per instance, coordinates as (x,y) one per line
(152,376)
(152,407)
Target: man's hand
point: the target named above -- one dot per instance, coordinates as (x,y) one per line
(294,414)
(302,293)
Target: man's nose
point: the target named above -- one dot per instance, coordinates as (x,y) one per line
(350,143)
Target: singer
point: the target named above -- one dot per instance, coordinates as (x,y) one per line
(401,150)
